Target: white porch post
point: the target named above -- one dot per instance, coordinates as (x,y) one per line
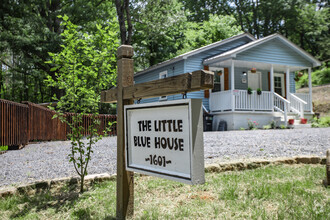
(287,83)
(286,106)
(272,84)
(232,84)
(310,88)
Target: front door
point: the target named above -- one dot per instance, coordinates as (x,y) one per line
(254,80)
(279,84)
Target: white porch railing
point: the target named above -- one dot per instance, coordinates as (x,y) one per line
(306,98)
(297,105)
(281,105)
(266,101)
(255,102)
(220,101)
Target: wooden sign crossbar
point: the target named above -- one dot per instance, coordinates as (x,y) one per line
(187,82)
(124,94)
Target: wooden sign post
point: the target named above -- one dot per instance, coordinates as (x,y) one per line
(124,94)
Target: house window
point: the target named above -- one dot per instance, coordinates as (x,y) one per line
(279,87)
(218,79)
(163,75)
(255,80)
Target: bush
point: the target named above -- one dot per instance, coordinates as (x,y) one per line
(3,148)
(321,123)
(252,125)
(266,127)
(283,127)
(319,77)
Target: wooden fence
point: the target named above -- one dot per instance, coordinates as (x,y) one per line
(104,121)
(41,125)
(21,123)
(13,123)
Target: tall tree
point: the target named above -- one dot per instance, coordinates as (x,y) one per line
(305,22)
(31,29)
(198,34)
(158,30)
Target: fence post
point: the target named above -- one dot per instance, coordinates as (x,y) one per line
(125,179)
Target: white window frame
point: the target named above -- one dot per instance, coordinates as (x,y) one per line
(222,81)
(282,82)
(161,76)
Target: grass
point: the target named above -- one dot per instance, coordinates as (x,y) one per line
(273,192)
(3,148)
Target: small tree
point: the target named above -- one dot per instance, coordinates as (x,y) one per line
(85,66)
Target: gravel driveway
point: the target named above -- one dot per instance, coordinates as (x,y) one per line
(48,160)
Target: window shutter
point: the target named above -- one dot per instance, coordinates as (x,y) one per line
(206,92)
(226,78)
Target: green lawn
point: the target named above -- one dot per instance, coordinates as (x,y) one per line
(273,192)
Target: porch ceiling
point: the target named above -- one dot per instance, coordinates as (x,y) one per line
(260,66)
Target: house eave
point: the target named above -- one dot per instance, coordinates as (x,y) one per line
(194,52)
(215,59)
(234,52)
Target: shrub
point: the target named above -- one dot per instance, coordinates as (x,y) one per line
(3,148)
(319,77)
(273,124)
(321,123)
(252,125)
(283,127)
(266,127)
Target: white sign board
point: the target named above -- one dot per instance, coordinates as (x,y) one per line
(165,139)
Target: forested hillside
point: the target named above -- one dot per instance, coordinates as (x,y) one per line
(30,32)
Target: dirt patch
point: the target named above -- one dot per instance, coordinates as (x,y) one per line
(321,98)
(206,196)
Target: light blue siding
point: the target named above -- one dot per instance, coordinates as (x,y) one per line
(172,70)
(292,83)
(243,86)
(196,62)
(276,52)
(190,64)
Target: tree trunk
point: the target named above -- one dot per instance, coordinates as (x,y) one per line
(122,8)
(41,92)
(25,87)
(255,19)
(1,83)
(82,179)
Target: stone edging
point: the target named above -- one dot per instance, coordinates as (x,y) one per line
(233,166)
(39,186)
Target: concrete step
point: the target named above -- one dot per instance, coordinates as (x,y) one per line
(302,126)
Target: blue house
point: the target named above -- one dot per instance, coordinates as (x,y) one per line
(253,79)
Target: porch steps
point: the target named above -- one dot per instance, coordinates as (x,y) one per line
(301,126)
(296,125)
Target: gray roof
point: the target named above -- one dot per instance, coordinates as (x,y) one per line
(194,52)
